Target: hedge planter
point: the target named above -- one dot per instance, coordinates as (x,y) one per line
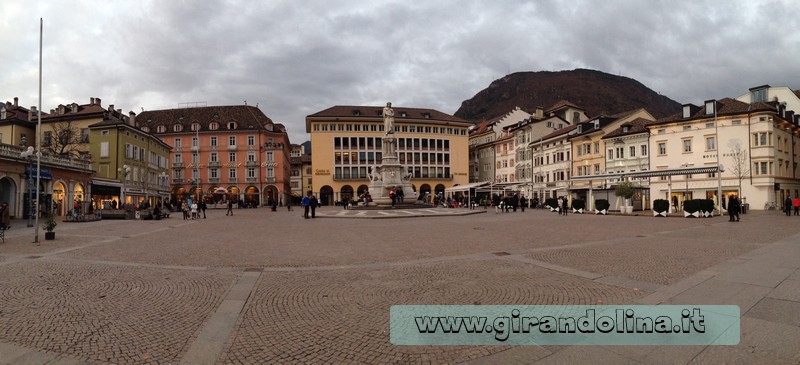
(601,206)
(698,208)
(578,206)
(660,208)
(691,215)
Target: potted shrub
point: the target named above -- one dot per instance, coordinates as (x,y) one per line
(49,226)
(601,206)
(691,208)
(551,203)
(660,208)
(578,206)
(625,190)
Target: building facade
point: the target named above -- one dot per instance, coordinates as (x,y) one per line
(131,166)
(757,143)
(223,152)
(346,143)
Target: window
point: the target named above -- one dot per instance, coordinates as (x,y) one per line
(232,125)
(251,156)
(195,157)
(270,172)
(231,156)
(213,173)
(662,148)
(644,150)
(214,141)
(84,135)
(736,122)
(178,158)
(103,149)
(213,157)
(177,128)
(161,129)
(711,143)
(251,140)
(632,151)
(194,142)
(620,152)
(251,172)
(195,127)
(213,126)
(687,145)
(232,141)
(270,156)
(232,173)
(178,143)
(597,147)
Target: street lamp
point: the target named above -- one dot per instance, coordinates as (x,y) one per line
(125,170)
(686,194)
(163,180)
(28,155)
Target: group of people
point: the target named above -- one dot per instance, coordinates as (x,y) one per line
(734,208)
(193,211)
(790,205)
(396,195)
(507,202)
(309,203)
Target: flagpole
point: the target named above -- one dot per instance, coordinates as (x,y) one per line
(38,138)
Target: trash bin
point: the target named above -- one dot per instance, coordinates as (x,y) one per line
(745,207)
(138,215)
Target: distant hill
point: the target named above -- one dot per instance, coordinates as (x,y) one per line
(595,91)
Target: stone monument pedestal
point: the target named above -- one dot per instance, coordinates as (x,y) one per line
(386,177)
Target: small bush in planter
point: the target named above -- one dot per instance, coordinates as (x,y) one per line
(49,225)
(661,207)
(625,190)
(578,205)
(601,205)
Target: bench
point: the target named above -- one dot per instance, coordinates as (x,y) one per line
(113,214)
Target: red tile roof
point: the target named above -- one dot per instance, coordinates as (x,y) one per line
(245,116)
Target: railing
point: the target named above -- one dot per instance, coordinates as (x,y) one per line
(252,179)
(13,152)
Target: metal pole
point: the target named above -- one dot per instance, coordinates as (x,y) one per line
(38,137)
(30,190)
(719,170)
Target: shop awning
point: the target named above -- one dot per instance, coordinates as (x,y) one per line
(466,187)
(651,173)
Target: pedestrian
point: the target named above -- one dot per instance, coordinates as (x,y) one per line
(400,195)
(194,210)
(738,207)
(288,205)
(523,203)
(560,206)
(5,216)
(306,203)
(393,195)
(203,207)
(796,205)
(314,202)
(345,202)
(114,204)
(731,208)
(515,202)
(230,207)
(787,206)
(185,209)
(566,205)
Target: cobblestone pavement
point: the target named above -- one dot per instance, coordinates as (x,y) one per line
(135,292)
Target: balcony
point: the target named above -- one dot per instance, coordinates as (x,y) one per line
(214,164)
(13,152)
(177,164)
(270,180)
(195,148)
(251,179)
(178,181)
(251,164)
(213,180)
(232,148)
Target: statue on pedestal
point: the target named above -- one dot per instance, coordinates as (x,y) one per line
(388,118)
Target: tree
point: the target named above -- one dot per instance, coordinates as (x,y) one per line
(64,140)
(741,163)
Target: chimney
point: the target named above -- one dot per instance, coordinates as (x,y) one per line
(16,101)
(91,101)
(539,112)
(111,107)
(32,113)
(97,100)
(132,119)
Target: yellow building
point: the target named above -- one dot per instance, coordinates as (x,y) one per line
(346,141)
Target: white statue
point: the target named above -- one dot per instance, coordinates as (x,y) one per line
(388,118)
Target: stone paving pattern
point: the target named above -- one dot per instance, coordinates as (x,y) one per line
(134,292)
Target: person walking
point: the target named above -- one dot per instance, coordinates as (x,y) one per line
(313,202)
(560,206)
(787,206)
(185,209)
(566,206)
(203,207)
(230,207)
(523,203)
(733,206)
(306,203)
(796,205)
(5,216)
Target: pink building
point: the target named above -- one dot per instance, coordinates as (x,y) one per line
(223,152)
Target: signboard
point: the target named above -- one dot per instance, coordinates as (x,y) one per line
(43,173)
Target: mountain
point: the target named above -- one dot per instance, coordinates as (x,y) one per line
(595,91)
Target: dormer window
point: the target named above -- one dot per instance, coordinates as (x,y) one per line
(161,129)
(580,128)
(687,112)
(403,114)
(625,129)
(759,93)
(231,125)
(711,107)
(596,124)
(146,129)
(177,128)
(426,115)
(213,126)
(195,127)
(356,112)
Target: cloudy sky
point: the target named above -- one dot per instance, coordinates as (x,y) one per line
(295,58)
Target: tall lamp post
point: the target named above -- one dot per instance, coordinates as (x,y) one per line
(125,170)
(28,155)
(163,179)
(686,194)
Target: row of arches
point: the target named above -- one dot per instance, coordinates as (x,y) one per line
(328,196)
(56,196)
(250,195)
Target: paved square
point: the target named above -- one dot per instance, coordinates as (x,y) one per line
(271,287)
